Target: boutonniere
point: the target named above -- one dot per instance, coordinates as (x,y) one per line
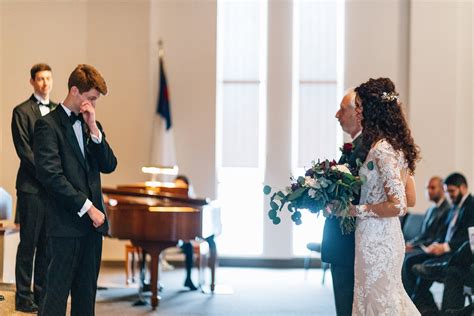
(347,149)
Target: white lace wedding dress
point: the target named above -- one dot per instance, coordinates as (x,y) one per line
(379,243)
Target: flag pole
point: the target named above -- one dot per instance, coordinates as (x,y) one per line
(161,50)
(153,138)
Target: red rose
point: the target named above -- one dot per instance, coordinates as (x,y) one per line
(347,148)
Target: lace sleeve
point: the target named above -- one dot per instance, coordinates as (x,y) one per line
(390,166)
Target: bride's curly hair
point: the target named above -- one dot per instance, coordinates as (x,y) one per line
(383,118)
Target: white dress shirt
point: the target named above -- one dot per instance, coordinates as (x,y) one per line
(77,127)
(43,108)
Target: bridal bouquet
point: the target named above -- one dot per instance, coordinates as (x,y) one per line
(326,185)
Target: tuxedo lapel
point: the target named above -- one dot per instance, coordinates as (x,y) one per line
(461,212)
(70,136)
(430,216)
(34,107)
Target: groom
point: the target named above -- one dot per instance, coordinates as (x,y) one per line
(337,248)
(71,151)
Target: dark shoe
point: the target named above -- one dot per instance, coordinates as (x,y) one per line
(433,271)
(27,307)
(190,284)
(147,287)
(466,311)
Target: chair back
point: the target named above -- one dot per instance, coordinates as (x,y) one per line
(412,225)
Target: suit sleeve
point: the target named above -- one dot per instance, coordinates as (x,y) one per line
(462,235)
(103,154)
(21,140)
(49,168)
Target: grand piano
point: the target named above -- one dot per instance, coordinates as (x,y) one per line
(155,216)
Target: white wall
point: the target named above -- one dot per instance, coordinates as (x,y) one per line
(377,35)
(441,67)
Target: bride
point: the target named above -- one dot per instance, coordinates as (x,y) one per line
(379,243)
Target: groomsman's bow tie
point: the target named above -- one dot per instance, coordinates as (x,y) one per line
(44,104)
(73,118)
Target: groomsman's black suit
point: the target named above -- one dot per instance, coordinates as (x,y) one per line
(70,179)
(433,229)
(31,206)
(422,295)
(338,248)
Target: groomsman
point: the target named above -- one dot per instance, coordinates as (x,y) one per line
(71,151)
(31,196)
(433,228)
(460,217)
(338,248)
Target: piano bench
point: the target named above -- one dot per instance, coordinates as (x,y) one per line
(130,266)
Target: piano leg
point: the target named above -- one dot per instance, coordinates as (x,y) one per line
(155,261)
(154,249)
(212,260)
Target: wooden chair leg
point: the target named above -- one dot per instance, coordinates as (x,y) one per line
(127,268)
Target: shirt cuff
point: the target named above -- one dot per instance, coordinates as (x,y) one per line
(446,247)
(97,139)
(87,205)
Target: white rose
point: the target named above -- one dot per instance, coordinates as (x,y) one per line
(312,193)
(341,168)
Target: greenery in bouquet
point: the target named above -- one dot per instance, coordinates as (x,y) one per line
(326,185)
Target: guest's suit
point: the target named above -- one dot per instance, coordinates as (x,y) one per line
(338,248)
(70,179)
(31,205)
(422,295)
(433,229)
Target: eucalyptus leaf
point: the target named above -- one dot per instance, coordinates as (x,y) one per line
(274,206)
(267,189)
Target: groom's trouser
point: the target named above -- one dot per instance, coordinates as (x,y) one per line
(343,285)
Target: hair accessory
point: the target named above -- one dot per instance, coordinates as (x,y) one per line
(390,96)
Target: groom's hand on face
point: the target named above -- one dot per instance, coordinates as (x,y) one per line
(88,113)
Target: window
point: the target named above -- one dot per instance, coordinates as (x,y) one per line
(241,94)
(317,83)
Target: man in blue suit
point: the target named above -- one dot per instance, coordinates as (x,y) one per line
(338,248)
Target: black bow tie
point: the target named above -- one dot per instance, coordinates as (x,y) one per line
(44,104)
(73,118)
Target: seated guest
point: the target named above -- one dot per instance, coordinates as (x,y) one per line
(187,246)
(460,217)
(433,228)
(455,273)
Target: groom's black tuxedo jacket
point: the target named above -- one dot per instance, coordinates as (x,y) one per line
(24,118)
(338,248)
(68,176)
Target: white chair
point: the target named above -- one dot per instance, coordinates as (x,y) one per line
(5,205)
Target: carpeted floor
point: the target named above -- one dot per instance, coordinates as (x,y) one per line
(253,292)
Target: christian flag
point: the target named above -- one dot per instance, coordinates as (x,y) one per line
(163,106)
(163,150)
